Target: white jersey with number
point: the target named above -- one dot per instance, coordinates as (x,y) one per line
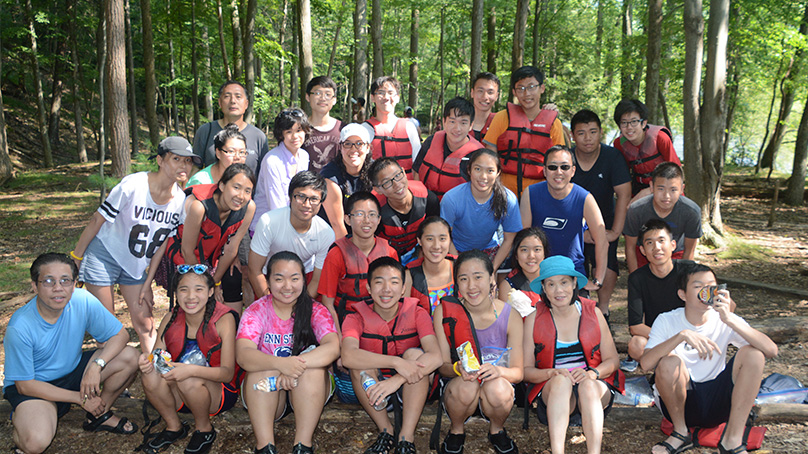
(136,226)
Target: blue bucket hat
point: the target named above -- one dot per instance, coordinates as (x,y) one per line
(557,265)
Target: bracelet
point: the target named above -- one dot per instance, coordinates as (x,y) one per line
(597,373)
(454,368)
(76,257)
(217,284)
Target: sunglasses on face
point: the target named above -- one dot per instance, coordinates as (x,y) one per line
(554,167)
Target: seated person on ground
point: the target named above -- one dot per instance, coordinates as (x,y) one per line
(200,335)
(274,345)
(687,350)
(570,356)
(45,369)
(392,343)
(492,328)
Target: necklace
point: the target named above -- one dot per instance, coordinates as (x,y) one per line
(493,306)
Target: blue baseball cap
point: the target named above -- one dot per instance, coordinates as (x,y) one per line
(557,265)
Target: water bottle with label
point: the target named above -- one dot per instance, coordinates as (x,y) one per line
(268,385)
(367,382)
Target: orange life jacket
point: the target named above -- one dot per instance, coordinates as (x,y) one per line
(402,238)
(352,287)
(642,160)
(522,146)
(478,135)
(209,341)
(544,340)
(440,174)
(378,337)
(519,281)
(396,145)
(458,327)
(420,288)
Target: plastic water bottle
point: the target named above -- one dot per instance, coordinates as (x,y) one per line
(367,382)
(268,385)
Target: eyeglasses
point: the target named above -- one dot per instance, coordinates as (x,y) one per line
(354,145)
(389,183)
(389,94)
(240,153)
(63,282)
(527,88)
(302,199)
(632,123)
(197,269)
(373,215)
(554,167)
(323,94)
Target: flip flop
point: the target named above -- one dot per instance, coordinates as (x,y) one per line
(687,443)
(94,424)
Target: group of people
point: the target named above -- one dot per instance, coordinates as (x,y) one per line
(389,272)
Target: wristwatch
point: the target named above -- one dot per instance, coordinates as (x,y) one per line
(597,283)
(101,363)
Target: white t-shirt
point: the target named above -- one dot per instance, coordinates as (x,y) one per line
(274,233)
(136,226)
(671,323)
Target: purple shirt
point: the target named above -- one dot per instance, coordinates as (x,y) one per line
(496,335)
(277,170)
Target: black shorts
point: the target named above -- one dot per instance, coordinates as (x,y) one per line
(231,285)
(229,398)
(611,263)
(575,417)
(708,403)
(71,381)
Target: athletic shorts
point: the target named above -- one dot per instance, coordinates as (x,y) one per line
(100,268)
(244,249)
(708,403)
(444,381)
(288,408)
(611,262)
(229,398)
(231,285)
(71,382)
(575,417)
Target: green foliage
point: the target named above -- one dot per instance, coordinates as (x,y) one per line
(740,249)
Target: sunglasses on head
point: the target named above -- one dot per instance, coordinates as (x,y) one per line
(197,269)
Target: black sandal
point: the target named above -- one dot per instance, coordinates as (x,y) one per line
(687,443)
(94,424)
(738,449)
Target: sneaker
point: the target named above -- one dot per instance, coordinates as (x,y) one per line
(629,364)
(383,445)
(453,444)
(502,443)
(268,449)
(166,438)
(201,442)
(405,447)
(300,448)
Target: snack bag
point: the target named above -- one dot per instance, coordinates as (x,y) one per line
(521,302)
(707,294)
(467,359)
(162,360)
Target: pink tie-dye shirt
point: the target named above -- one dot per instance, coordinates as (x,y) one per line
(273,335)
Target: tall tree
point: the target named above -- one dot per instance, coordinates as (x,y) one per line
(222,43)
(306,60)
(795,192)
(149,74)
(491,45)
(376,38)
(116,88)
(281,43)
(130,63)
(206,84)
(653,60)
(194,67)
(249,56)
(519,32)
(57,89)
(626,79)
(336,40)
(40,96)
(6,168)
(414,26)
(360,44)
(237,46)
(81,149)
(172,73)
(477,16)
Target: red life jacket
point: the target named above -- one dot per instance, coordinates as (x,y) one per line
(400,237)
(396,145)
(210,344)
(440,174)
(519,281)
(377,337)
(642,160)
(458,327)
(420,289)
(352,287)
(544,340)
(522,146)
(213,236)
(478,135)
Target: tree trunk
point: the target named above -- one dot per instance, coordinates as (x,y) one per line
(306,61)
(206,85)
(236,25)
(360,67)
(130,62)
(281,42)
(81,149)
(57,92)
(102,98)
(795,193)
(194,67)
(733,74)
(477,16)
(442,57)
(40,96)
(519,29)
(653,60)
(175,113)
(598,34)
(116,88)
(6,168)
(626,90)
(376,38)
(249,57)
(414,25)
(694,52)
(148,66)
(491,45)
(294,82)
(336,40)
(222,44)
(767,130)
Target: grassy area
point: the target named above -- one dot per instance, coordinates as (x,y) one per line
(739,249)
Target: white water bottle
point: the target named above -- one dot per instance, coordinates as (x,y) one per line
(268,385)
(367,382)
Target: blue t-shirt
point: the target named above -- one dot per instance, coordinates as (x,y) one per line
(38,350)
(562,221)
(473,224)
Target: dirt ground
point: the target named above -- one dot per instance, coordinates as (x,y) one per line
(782,260)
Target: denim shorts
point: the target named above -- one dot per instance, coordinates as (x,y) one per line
(100,268)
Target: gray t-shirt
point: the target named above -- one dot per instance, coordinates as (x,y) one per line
(684,220)
(257,145)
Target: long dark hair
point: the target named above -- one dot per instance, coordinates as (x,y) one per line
(522,236)
(302,332)
(364,179)
(210,305)
(499,198)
